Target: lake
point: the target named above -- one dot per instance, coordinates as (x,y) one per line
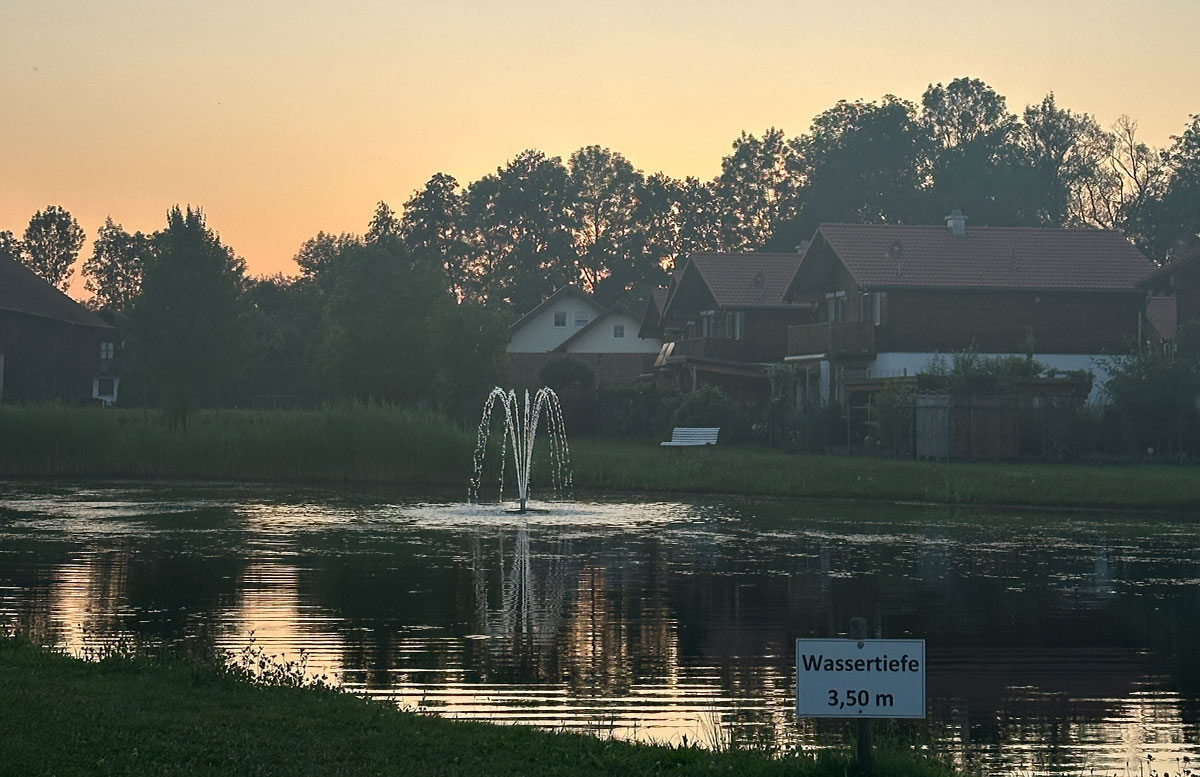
(1057,643)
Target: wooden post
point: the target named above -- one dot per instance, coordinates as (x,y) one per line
(866,758)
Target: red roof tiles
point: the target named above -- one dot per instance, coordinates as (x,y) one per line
(887,256)
(746,280)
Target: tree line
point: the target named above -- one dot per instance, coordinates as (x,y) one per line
(416,307)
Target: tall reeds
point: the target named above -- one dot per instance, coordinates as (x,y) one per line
(349,441)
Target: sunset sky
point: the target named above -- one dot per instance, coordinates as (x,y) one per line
(284,118)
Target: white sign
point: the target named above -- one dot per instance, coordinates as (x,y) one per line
(870,678)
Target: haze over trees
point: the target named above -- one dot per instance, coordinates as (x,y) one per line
(416,309)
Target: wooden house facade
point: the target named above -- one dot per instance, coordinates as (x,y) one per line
(726,321)
(51,347)
(894,297)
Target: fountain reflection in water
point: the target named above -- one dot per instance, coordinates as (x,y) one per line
(520,431)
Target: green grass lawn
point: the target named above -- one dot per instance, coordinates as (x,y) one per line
(145,716)
(644,466)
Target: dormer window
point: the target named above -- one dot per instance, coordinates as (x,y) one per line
(560,318)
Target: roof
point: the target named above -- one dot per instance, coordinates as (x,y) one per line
(1170,268)
(23,291)
(746,280)
(890,256)
(565,291)
(1162,313)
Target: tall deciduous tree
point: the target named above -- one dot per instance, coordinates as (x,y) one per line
(1170,220)
(384,225)
(862,162)
(604,189)
(113,273)
(976,163)
(187,325)
(373,340)
(433,228)
(1068,152)
(757,190)
(521,230)
(10,246)
(52,242)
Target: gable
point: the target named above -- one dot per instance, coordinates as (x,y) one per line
(601,336)
(23,291)
(551,323)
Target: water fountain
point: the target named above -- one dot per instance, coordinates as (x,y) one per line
(520,431)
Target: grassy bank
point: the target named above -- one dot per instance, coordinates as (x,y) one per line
(645,466)
(63,716)
(366,443)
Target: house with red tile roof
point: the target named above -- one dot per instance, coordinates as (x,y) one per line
(893,297)
(571,323)
(51,347)
(1176,286)
(726,319)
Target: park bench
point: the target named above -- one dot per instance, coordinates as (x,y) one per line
(685,436)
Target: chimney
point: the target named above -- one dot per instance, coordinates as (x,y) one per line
(956,222)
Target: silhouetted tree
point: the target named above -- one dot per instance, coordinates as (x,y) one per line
(113,273)
(283,313)
(1168,222)
(976,163)
(1067,151)
(521,230)
(372,340)
(757,190)
(433,226)
(604,190)
(187,327)
(52,242)
(862,163)
(10,246)
(384,225)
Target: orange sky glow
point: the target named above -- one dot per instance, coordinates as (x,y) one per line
(281,119)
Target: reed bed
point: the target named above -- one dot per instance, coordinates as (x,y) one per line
(351,441)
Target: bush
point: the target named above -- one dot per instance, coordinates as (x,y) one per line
(575,384)
(634,410)
(709,406)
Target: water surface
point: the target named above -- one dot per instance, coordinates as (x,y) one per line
(1057,643)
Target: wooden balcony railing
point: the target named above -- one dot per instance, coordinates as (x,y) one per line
(842,338)
(708,347)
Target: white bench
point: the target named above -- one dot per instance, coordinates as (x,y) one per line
(684,436)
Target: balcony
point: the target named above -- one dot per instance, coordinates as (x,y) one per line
(725,348)
(835,339)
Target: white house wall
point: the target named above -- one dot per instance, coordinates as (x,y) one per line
(539,334)
(600,339)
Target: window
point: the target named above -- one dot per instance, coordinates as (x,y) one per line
(735,324)
(581,318)
(106,352)
(835,302)
(619,331)
(105,386)
(708,323)
(560,318)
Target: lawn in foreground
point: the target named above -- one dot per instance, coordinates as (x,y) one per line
(64,716)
